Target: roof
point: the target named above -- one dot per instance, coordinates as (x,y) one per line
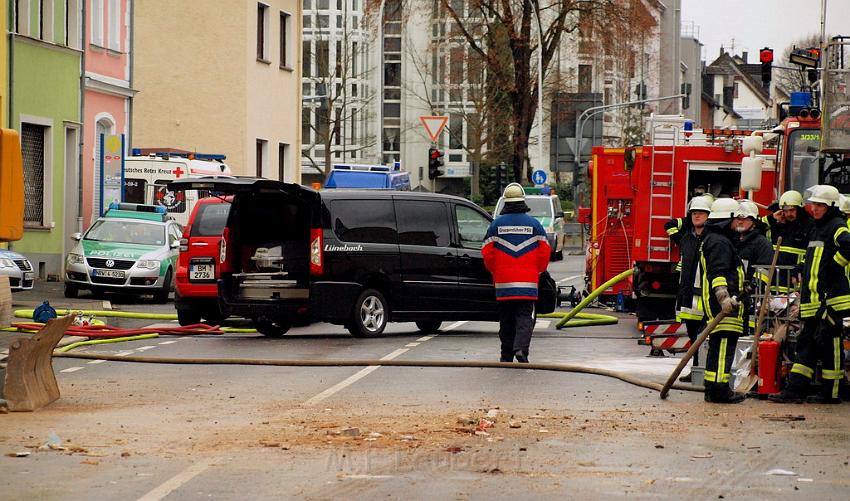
(715,104)
(727,65)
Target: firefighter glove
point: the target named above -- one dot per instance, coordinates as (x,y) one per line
(727,302)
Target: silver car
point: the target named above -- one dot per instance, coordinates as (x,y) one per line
(18,268)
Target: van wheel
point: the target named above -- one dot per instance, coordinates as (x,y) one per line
(271,329)
(72,291)
(188,317)
(213,316)
(161,296)
(428,326)
(370,315)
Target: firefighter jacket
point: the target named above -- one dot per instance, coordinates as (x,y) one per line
(795,236)
(689,298)
(720,266)
(753,249)
(515,252)
(825,279)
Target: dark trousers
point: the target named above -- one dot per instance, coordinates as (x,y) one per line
(694,328)
(718,364)
(820,340)
(516,323)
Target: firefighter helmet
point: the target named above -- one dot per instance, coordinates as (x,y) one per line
(824,194)
(514,193)
(844,203)
(747,208)
(702,203)
(791,198)
(723,208)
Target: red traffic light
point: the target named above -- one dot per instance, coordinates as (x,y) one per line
(766,56)
(435,154)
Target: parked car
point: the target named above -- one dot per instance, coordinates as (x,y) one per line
(131,249)
(196,292)
(356,258)
(546,209)
(18,268)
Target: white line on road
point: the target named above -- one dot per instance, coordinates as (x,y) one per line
(425,338)
(71,369)
(93,362)
(124,353)
(570,278)
(145,348)
(168,342)
(411,345)
(454,326)
(175,482)
(542,324)
(351,380)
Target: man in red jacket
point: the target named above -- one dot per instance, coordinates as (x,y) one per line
(515,252)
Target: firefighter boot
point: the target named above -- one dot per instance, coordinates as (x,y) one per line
(687,379)
(722,394)
(789,395)
(820,398)
(521,356)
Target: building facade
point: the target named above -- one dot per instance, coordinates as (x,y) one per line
(45,106)
(223,79)
(108,90)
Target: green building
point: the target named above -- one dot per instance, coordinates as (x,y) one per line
(44,102)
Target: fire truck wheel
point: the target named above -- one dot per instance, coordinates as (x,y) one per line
(271,329)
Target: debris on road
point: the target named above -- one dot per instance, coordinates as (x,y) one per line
(514,424)
(781,473)
(20,454)
(350,432)
(784,418)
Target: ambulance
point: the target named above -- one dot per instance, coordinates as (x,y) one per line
(147,176)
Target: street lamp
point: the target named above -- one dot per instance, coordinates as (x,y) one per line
(539,85)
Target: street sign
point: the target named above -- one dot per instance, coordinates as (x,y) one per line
(434,125)
(538,177)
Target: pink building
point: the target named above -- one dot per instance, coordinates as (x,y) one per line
(108,89)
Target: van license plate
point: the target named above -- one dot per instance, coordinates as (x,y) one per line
(202,272)
(107,273)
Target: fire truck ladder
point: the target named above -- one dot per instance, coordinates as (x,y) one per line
(661,188)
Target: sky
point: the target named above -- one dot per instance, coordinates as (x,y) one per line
(754,24)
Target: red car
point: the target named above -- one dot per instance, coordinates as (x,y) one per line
(196,295)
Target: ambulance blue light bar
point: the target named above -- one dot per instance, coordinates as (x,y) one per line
(137,207)
(137,152)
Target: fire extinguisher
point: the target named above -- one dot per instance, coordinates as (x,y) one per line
(768,367)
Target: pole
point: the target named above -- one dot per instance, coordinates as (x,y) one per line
(822,23)
(539,88)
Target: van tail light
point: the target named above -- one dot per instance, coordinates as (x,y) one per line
(222,251)
(184,241)
(317,258)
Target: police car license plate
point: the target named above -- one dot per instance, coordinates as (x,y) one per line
(202,272)
(29,276)
(107,273)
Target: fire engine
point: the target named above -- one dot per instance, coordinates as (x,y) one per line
(634,191)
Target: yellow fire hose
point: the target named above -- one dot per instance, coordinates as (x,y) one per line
(590,318)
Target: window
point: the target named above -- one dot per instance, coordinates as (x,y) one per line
(308,21)
(262,157)
(45,20)
(21,17)
(353,58)
(72,24)
(306,58)
(455,131)
(322,58)
(422,223)
(585,78)
(305,126)
(339,55)
(262,32)
(366,221)
(392,110)
(103,127)
(33,139)
(114,41)
(471,227)
(97,22)
(284,39)
(322,4)
(392,74)
(282,150)
(210,220)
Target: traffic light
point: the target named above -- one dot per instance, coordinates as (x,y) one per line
(435,163)
(686,97)
(766,59)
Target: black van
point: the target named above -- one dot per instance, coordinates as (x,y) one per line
(358,258)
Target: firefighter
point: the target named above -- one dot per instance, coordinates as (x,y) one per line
(825,301)
(515,252)
(753,249)
(722,280)
(793,224)
(687,234)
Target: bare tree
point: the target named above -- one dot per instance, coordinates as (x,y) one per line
(503,33)
(789,76)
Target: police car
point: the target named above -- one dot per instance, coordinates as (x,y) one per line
(18,268)
(132,249)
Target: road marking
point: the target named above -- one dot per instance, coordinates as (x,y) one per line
(93,362)
(570,278)
(167,342)
(71,369)
(351,380)
(425,338)
(542,324)
(453,326)
(124,353)
(411,345)
(175,482)
(145,348)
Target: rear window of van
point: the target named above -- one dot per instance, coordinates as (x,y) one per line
(210,220)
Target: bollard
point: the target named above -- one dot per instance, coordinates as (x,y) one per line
(30,383)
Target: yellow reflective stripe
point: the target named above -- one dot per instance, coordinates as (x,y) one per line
(719,282)
(791,250)
(761,276)
(838,232)
(672,231)
(679,266)
(710,376)
(813,279)
(721,359)
(841,260)
(803,370)
(833,374)
(836,352)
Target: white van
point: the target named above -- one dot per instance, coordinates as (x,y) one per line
(147,179)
